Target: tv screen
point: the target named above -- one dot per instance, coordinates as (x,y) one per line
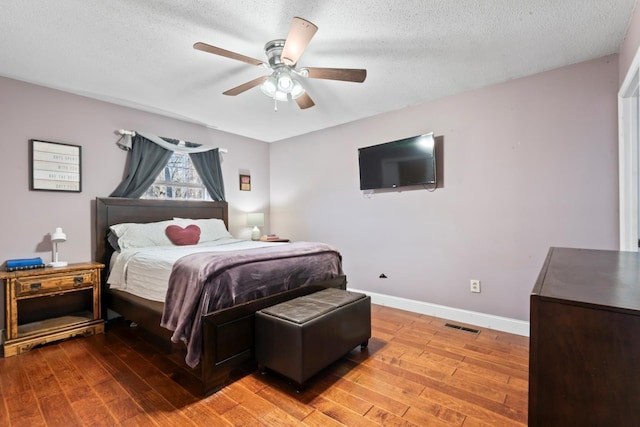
(401,163)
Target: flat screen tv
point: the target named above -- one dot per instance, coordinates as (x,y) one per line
(401,163)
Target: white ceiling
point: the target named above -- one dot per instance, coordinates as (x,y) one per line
(139,53)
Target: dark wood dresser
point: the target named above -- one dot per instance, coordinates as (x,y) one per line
(584,360)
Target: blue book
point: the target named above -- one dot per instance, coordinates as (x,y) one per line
(24,262)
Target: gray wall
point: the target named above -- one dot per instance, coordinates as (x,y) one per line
(28,217)
(528,164)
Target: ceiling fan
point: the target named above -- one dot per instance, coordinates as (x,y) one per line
(282,56)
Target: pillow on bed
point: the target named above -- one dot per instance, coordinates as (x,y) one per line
(137,235)
(183,236)
(210,229)
(112,238)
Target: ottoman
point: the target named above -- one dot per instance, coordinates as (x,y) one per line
(300,337)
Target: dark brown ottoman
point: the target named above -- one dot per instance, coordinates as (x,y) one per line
(300,337)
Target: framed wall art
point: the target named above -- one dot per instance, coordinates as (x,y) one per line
(245,182)
(55,166)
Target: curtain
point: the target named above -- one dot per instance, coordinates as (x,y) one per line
(146,161)
(207,165)
(150,154)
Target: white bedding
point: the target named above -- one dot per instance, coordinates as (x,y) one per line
(145,271)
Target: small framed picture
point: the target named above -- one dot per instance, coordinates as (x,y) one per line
(245,182)
(55,166)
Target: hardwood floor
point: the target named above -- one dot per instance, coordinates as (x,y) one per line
(415,372)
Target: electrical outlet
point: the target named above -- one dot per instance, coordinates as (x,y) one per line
(475,286)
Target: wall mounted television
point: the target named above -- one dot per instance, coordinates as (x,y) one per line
(402,163)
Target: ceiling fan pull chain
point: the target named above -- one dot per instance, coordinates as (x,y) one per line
(275,104)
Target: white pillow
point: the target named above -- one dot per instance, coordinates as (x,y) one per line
(210,229)
(137,235)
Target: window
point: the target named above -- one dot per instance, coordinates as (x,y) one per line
(178,180)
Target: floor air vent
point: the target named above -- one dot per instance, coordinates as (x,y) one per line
(462,328)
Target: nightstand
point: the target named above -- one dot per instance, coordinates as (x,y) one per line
(50,304)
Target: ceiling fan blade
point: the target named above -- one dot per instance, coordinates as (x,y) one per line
(245,86)
(344,74)
(304,101)
(300,34)
(226,53)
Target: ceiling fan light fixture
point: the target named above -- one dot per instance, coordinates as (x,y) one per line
(281,86)
(297,89)
(285,82)
(281,96)
(269,87)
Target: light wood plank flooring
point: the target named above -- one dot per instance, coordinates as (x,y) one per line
(416,372)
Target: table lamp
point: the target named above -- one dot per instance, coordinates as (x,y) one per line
(57,236)
(255,220)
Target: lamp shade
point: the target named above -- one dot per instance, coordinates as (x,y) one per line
(269,86)
(58,235)
(285,82)
(255,219)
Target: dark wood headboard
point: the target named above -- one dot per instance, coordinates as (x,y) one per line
(116,210)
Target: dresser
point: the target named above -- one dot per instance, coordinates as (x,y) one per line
(584,362)
(50,304)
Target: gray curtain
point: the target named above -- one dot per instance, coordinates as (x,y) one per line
(148,159)
(207,165)
(146,162)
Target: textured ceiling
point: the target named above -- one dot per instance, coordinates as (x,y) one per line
(139,53)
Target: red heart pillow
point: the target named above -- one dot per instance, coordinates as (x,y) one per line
(190,235)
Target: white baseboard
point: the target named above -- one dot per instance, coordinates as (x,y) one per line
(504,324)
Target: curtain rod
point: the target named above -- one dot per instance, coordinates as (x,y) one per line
(124,132)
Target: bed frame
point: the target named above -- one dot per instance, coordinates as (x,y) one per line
(228,340)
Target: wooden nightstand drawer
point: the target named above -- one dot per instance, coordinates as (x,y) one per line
(53,283)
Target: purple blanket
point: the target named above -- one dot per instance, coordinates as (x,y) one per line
(208,281)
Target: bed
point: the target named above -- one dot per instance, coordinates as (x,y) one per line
(226,334)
